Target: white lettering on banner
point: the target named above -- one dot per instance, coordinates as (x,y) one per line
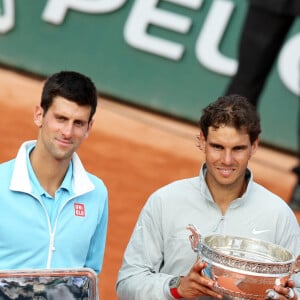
(194,4)
(207,45)
(289,64)
(7,20)
(145,13)
(56,10)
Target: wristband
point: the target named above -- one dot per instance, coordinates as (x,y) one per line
(173,285)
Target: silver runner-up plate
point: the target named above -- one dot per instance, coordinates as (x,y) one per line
(53,284)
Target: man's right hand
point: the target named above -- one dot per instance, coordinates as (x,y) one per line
(196,283)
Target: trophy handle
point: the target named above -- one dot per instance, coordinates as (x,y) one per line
(296,265)
(195,238)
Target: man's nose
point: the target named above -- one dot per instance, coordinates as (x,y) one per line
(227,157)
(67,129)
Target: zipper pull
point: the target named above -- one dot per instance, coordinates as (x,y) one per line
(52,247)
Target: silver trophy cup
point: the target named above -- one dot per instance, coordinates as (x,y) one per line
(243,268)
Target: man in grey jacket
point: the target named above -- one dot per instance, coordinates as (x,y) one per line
(158,262)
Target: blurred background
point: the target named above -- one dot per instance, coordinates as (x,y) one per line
(172,57)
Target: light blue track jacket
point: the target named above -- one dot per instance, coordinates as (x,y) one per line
(27,239)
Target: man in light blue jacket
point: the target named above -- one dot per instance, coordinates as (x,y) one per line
(54,213)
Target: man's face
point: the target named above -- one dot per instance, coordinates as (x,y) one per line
(227,153)
(62,128)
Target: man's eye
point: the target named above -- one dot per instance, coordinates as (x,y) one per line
(218,147)
(238,149)
(78,123)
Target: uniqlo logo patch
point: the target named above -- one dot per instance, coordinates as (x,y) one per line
(79,210)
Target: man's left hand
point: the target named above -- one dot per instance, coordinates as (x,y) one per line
(282,292)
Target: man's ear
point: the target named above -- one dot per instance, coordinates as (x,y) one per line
(202,140)
(89,128)
(38,116)
(254,146)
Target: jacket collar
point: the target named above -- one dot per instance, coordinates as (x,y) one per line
(206,192)
(21,182)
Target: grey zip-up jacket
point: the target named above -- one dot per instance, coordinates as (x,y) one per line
(159,247)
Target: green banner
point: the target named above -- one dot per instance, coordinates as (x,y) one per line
(171,56)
